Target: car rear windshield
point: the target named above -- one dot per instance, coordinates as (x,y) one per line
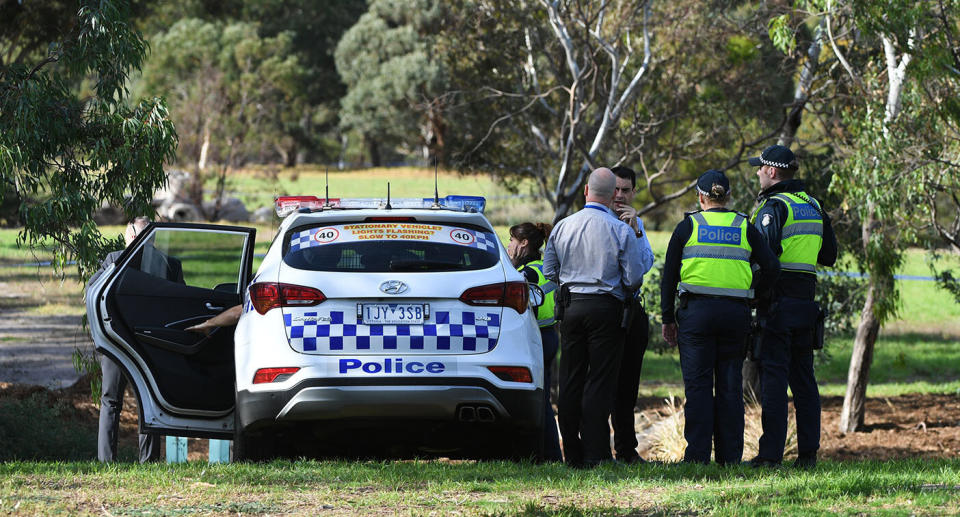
(380,247)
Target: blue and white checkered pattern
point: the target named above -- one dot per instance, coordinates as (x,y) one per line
(451,332)
(485,241)
(303,240)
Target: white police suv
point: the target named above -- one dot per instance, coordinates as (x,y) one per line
(370,326)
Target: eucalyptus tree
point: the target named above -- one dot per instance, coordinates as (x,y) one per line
(395,77)
(65,150)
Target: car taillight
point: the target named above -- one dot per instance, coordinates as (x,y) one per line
(512,373)
(507,294)
(267,295)
(264,375)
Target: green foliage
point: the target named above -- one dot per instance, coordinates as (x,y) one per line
(64,155)
(227,86)
(742,49)
(86,362)
(781,34)
(34,429)
(389,64)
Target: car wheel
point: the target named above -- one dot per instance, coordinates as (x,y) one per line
(515,446)
(249,446)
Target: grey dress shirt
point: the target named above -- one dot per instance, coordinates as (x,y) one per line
(594,252)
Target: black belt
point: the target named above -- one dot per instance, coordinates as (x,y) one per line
(692,296)
(593,297)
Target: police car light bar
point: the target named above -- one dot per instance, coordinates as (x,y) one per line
(286,205)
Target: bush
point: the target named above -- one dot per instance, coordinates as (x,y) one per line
(33,429)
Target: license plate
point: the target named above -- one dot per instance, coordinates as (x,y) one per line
(393,313)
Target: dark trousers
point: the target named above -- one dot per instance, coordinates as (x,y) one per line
(551,438)
(628,383)
(111,403)
(712,336)
(786,358)
(591,348)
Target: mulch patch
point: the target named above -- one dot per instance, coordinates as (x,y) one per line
(907,426)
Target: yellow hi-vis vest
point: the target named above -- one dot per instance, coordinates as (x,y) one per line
(545,315)
(716,258)
(802,233)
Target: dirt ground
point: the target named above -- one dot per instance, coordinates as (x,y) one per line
(908,426)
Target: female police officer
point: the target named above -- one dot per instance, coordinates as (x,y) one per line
(524,250)
(709,258)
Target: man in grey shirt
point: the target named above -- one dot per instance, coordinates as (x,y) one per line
(596,258)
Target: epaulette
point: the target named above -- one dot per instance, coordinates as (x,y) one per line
(741,213)
(688,214)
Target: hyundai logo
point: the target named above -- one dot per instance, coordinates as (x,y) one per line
(394,287)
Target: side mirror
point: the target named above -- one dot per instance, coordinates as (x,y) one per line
(536,295)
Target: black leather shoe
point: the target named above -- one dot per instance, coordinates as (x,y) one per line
(761,463)
(633,460)
(805,461)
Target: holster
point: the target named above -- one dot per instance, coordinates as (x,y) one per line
(561,301)
(819,330)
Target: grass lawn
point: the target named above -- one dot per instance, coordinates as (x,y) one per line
(438,488)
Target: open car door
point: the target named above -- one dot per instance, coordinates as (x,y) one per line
(173,276)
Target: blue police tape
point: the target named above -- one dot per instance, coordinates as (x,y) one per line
(388,365)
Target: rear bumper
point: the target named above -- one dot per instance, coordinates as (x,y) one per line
(427,400)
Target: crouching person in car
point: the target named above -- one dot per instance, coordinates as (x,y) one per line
(524,250)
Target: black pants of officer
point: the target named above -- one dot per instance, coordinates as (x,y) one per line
(712,333)
(111,403)
(551,438)
(786,358)
(591,347)
(628,383)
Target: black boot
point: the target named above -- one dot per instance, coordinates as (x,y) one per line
(806,460)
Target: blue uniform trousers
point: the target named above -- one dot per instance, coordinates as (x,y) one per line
(712,334)
(786,357)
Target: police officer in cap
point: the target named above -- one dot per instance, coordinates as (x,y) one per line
(799,232)
(709,262)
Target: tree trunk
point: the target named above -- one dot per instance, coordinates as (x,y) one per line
(373,149)
(854,403)
(802,91)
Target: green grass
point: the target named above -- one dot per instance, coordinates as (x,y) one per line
(429,487)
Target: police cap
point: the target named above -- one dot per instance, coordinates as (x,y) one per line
(777,156)
(709,179)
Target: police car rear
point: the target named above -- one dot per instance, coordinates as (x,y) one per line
(369,327)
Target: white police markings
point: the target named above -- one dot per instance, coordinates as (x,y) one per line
(719,234)
(390,365)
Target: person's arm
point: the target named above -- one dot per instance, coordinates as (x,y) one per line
(551,266)
(632,258)
(770,220)
(829,250)
(645,249)
(671,270)
(109,259)
(225,319)
(761,255)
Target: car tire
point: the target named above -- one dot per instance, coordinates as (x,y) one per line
(248,446)
(515,446)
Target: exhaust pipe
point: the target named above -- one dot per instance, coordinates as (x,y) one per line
(467,414)
(485,414)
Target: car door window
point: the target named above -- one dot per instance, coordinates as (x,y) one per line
(196,258)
